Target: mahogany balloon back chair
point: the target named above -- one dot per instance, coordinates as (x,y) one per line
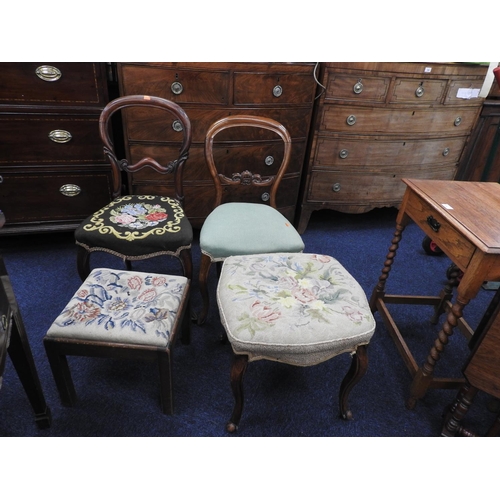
(140,226)
(245,219)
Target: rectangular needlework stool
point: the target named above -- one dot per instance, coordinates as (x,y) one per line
(120,314)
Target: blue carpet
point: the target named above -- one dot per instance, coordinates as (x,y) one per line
(121,398)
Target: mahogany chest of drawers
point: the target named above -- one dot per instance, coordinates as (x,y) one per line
(209,92)
(53,172)
(376,123)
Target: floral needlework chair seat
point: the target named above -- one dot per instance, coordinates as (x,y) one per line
(295,308)
(120,314)
(137,226)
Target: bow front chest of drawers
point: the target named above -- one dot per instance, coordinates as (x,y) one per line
(209,92)
(53,172)
(376,123)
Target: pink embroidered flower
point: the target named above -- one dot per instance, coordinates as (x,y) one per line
(352,314)
(124,219)
(82,293)
(135,283)
(147,295)
(303,295)
(156,216)
(287,282)
(322,258)
(84,311)
(157,281)
(265,313)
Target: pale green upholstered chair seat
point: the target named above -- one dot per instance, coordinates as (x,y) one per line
(295,308)
(252,229)
(120,314)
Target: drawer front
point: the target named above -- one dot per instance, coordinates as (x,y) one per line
(264,158)
(356,87)
(177,85)
(427,92)
(45,139)
(462,92)
(275,89)
(366,120)
(52,83)
(447,237)
(36,197)
(152,126)
(374,187)
(343,152)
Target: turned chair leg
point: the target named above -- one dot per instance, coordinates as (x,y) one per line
(358,368)
(238,369)
(83,263)
(205,264)
(61,373)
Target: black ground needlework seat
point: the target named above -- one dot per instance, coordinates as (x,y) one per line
(136,227)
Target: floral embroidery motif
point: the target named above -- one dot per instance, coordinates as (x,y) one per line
(297,290)
(130,219)
(111,300)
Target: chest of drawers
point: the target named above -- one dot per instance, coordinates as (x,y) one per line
(376,123)
(209,92)
(53,172)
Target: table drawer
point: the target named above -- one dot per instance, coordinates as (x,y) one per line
(418,91)
(342,151)
(52,83)
(462,88)
(367,120)
(37,197)
(275,89)
(178,85)
(37,139)
(446,237)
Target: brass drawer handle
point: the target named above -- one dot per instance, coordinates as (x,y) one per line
(177,126)
(177,88)
(336,187)
(277,91)
(70,190)
(1,180)
(269,160)
(60,136)
(358,87)
(433,223)
(351,120)
(420,91)
(265,196)
(458,121)
(343,153)
(48,73)
(446,151)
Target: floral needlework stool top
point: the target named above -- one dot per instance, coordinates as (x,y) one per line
(292,307)
(123,307)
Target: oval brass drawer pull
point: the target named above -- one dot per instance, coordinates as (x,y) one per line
(70,190)
(177,88)
(277,91)
(269,160)
(60,136)
(48,73)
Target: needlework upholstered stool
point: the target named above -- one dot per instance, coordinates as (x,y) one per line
(120,314)
(295,308)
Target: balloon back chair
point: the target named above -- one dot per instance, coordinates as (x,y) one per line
(137,227)
(245,219)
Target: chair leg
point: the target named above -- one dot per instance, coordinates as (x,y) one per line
(165,368)
(358,368)
(238,369)
(60,371)
(187,263)
(205,264)
(83,262)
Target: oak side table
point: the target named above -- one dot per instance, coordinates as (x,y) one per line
(462,218)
